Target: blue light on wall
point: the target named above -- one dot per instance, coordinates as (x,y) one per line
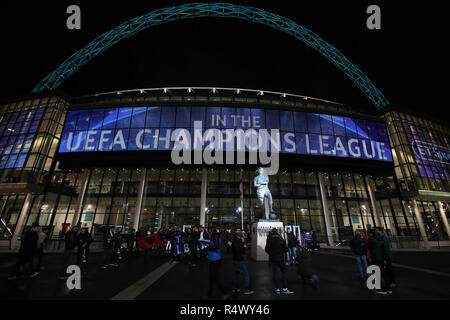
(431,151)
(17,132)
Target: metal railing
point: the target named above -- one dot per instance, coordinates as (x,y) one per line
(406,242)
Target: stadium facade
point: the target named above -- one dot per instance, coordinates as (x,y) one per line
(105,159)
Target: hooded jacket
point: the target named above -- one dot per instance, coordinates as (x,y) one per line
(292,240)
(71,240)
(386,247)
(276,248)
(237,249)
(376,247)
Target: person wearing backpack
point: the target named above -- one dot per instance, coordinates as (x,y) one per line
(276,248)
(359,247)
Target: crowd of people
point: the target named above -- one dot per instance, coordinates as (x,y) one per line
(193,245)
(375,250)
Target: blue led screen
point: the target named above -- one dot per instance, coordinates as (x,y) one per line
(17,131)
(430,150)
(152,128)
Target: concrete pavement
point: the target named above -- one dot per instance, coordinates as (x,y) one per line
(162,280)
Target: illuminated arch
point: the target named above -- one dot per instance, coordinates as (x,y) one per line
(222,10)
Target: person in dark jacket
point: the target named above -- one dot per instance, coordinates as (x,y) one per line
(118,239)
(202,241)
(240,268)
(228,240)
(84,241)
(276,249)
(27,251)
(305,268)
(215,261)
(390,275)
(376,247)
(292,245)
(368,257)
(108,249)
(70,241)
(359,249)
(308,240)
(42,240)
(131,242)
(192,242)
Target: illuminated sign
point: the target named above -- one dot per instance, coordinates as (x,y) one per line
(430,151)
(17,131)
(156,128)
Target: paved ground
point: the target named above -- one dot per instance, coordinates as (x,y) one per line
(163,280)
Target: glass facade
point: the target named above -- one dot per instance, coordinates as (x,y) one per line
(172,197)
(29,136)
(17,131)
(35,136)
(421,152)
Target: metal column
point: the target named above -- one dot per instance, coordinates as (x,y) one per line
(203,197)
(326,215)
(21,220)
(444,218)
(140,199)
(373,202)
(79,207)
(421,226)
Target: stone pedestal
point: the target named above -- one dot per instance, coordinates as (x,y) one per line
(259,231)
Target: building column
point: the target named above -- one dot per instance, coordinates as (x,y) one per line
(80,200)
(203,197)
(373,202)
(421,225)
(21,220)
(326,214)
(444,218)
(140,200)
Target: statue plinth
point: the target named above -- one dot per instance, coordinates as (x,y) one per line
(260,231)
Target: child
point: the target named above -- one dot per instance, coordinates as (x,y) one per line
(304,267)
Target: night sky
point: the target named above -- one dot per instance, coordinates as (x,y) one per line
(405,60)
